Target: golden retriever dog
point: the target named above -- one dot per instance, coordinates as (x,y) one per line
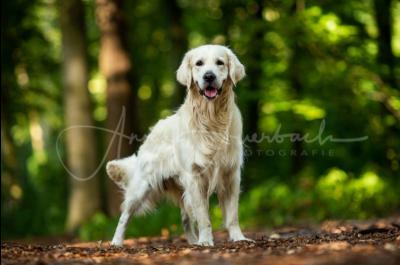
(193,153)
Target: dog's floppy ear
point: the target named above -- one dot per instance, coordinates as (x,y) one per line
(236,68)
(184,72)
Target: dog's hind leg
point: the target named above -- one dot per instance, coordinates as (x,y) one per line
(137,192)
(188,226)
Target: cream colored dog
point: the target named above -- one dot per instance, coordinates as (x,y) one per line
(193,153)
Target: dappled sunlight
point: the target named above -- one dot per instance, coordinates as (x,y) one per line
(305,109)
(396,29)
(165,113)
(335,194)
(354,195)
(270,14)
(168,88)
(97,88)
(318,75)
(144,92)
(332,184)
(327,26)
(16,192)
(308,111)
(269,123)
(196,39)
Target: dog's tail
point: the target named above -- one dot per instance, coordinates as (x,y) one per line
(121,170)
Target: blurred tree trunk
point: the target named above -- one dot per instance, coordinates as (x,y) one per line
(387,60)
(383,19)
(116,66)
(254,70)
(84,198)
(228,19)
(8,153)
(294,77)
(179,43)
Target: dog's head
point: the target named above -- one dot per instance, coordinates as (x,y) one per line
(207,68)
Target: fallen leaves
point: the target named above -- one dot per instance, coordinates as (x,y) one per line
(334,243)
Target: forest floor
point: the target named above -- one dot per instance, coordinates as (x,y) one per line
(346,242)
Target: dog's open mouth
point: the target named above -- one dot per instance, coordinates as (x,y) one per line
(210,92)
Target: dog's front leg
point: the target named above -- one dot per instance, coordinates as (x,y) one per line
(228,196)
(196,198)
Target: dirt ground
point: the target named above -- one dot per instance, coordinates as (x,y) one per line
(346,242)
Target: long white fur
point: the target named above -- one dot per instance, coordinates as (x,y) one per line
(191,154)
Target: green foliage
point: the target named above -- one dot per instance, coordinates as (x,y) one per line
(335,194)
(305,66)
(165,221)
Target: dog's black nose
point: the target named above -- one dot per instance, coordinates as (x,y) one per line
(209,76)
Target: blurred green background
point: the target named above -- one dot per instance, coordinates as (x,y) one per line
(331,62)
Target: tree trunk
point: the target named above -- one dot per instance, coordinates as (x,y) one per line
(255,72)
(228,19)
(116,66)
(294,76)
(385,53)
(84,198)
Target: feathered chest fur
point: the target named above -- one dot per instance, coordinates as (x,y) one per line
(210,121)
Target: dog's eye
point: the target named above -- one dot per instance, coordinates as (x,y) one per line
(199,63)
(219,62)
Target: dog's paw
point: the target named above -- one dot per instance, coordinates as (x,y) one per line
(205,243)
(242,238)
(117,243)
(192,240)
(245,239)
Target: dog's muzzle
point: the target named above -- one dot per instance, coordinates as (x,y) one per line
(210,92)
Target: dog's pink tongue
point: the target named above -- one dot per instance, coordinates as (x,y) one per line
(211,92)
